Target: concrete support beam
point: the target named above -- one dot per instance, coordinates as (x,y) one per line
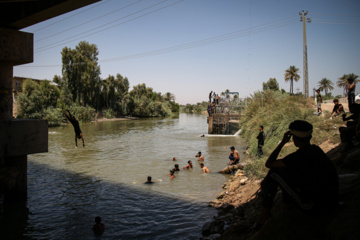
(23,136)
(16,47)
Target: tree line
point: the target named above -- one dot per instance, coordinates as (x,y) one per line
(292,74)
(81,90)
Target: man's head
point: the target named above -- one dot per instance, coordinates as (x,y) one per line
(176,165)
(189,162)
(261,128)
(301,132)
(232,148)
(336,101)
(199,153)
(318,90)
(149,178)
(98,219)
(201,165)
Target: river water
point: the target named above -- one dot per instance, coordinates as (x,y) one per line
(68,186)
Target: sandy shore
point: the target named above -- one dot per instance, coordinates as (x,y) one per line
(114,119)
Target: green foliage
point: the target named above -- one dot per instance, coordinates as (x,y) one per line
(275,111)
(54,116)
(194,108)
(325,84)
(271,84)
(84,114)
(292,75)
(81,73)
(35,98)
(108,113)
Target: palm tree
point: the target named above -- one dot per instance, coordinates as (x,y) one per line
(291,74)
(342,82)
(326,84)
(169,96)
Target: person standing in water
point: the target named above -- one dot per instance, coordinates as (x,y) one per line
(205,169)
(75,123)
(189,165)
(199,156)
(98,227)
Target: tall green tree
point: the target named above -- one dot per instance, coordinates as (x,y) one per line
(81,72)
(292,75)
(271,84)
(325,84)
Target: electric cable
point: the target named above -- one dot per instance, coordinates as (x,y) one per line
(94,19)
(70,16)
(62,41)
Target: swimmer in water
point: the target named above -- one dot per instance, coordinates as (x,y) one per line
(205,169)
(176,168)
(174,158)
(98,227)
(149,180)
(189,165)
(172,174)
(199,156)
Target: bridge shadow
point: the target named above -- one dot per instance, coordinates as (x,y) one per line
(63,205)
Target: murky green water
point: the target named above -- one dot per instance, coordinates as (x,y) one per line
(69,186)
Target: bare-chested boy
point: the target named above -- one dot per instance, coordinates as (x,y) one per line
(234,156)
(205,169)
(199,156)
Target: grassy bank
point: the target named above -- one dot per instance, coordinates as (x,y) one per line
(275,111)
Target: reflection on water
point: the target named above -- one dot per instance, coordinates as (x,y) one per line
(69,186)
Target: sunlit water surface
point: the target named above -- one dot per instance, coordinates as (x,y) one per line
(68,186)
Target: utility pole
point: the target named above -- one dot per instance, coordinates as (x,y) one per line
(303,13)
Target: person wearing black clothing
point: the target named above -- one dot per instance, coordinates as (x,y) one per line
(338,108)
(75,123)
(307,177)
(352,127)
(261,140)
(149,180)
(351,91)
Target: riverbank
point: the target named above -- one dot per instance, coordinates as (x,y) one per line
(115,119)
(239,204)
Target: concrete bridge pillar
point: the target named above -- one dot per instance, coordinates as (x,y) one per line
(17,137)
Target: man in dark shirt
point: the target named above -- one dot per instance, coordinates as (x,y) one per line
(75,123)
(261,140)
(338,108)
(306,177)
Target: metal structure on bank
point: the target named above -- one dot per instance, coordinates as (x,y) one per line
(225,118)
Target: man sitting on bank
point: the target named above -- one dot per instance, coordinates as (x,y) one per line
(306,177)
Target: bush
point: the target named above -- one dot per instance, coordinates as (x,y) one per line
(108,113)
(275,111)
(84,114)
(54,116)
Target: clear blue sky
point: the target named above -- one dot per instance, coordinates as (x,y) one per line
(205,44)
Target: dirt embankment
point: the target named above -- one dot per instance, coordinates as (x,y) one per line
(239,205)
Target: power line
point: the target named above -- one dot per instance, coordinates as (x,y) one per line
(334,15)
(88,21)
(62,41)
(220,38)
(70,16)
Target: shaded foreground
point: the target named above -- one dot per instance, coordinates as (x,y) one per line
(239,205)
